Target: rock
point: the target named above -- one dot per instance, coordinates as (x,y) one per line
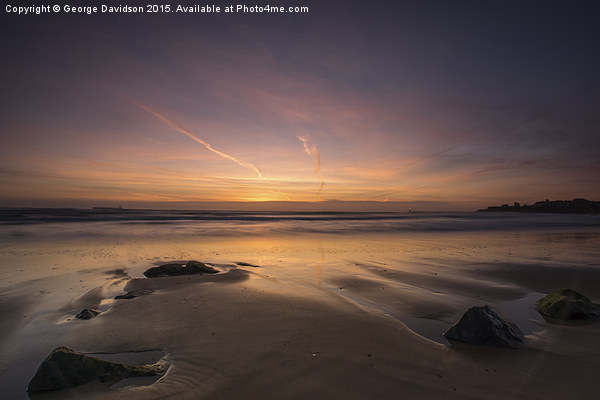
(482,325)
(567,304)
(65,368)
(245,264)
(192,267)
(87,313)
(133,294)
(200,267)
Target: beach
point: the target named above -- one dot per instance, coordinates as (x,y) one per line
(305,305)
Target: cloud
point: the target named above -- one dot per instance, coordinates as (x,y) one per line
(181,129)
(312,150)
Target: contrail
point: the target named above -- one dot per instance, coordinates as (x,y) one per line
(189,134)
(424,158)
(312,150)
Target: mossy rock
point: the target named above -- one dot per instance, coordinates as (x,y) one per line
(199,267)
(65,368)
(567,304)
(190,268)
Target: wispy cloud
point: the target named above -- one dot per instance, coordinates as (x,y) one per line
(311,149)
(421,159)
(189,134)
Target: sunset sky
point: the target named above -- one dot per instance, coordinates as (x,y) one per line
(448,104)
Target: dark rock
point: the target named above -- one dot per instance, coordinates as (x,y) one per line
(192,267)
(87,313)
(567,304)
(133,294)
(200,267)
(482,325)
(165,270)
(65,368)
(245,264)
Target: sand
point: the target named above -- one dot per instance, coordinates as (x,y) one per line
(307,325)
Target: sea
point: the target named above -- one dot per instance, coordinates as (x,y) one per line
(39,222)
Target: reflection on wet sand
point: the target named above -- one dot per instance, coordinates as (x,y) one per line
(348,306)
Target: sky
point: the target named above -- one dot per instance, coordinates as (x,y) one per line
(377,104)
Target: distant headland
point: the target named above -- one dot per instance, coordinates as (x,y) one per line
(575,206)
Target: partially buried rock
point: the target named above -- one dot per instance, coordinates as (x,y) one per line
(482,325)
(192,267)
(65,368)
(133,294)
(567,304)
(87,313)
(245,264)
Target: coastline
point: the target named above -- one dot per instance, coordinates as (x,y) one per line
(575,206)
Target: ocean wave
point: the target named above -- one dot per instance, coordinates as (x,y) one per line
(74,222)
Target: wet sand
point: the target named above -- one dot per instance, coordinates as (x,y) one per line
(324,317)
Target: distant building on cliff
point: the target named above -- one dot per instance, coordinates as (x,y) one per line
(575,206)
